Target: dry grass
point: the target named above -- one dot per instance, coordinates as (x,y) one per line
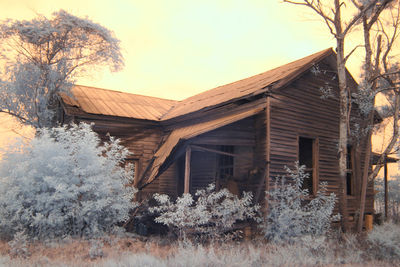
(77,252)
(128,251)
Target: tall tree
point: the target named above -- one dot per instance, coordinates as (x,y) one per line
(380,74)
(332,17)
(42,57)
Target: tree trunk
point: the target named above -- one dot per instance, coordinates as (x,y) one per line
(343,124)
(364,181)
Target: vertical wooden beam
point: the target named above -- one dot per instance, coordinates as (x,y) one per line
(136,173)
(267,146)
(187,169)
(386,188)
(315,158)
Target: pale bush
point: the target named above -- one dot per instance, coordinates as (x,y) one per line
(291,215)
(213,213)
(385,241)
(64,183)
(19,245)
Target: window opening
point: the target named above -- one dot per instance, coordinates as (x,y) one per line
(225,163)
(349,171)
(306,157)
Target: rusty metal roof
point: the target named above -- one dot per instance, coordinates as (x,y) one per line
(106,102)
(252,85)
(113,103)
(187,132)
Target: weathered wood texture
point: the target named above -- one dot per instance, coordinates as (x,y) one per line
(298,110)
(233,115)
(142,140)
(241,135)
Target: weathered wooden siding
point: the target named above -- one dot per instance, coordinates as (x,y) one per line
(241,135)
(299,110)
(142,140)
(203,169)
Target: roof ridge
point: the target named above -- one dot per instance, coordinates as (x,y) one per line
(261,73)
(323,53)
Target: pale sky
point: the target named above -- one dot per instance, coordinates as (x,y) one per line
(177,48)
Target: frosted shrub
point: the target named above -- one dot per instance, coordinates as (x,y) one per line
(385,241)
(291,215)
(96,249)
(18,246)
(212,214)
(64,183)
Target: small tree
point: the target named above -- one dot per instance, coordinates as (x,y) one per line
(64,183)
(43,56)
(213,214)
(291,215)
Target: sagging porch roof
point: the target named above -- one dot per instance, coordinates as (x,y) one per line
(184,133)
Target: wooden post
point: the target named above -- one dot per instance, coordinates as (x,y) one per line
(368,222)
(187,169)
(386,188)
(267,147)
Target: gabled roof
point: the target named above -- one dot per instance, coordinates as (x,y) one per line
(249,86)
(113,103)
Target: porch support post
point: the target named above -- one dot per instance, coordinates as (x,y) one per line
(187,169)
(386,188)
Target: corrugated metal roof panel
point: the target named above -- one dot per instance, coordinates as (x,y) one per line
(191,131)
(106,102)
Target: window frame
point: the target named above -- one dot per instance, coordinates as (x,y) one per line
(221,157)
(350,170)
(315,160)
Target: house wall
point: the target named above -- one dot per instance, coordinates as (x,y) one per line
(299,110)
(142,140)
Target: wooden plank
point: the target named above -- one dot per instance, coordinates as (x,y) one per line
(187,169)
(267,147)
(200,148)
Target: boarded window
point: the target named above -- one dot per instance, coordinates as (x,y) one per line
(308,157)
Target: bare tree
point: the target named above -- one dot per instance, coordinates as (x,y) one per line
(331,14)
(43,56)
(381,75)
(379,20)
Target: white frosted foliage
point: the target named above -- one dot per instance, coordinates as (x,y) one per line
(64,183)
(292,214)
(210,213)
(42,57)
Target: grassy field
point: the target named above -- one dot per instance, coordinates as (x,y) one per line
(135,251)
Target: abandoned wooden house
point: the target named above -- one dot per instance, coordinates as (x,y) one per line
(239,135)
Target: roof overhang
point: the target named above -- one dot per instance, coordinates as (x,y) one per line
(181,134)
